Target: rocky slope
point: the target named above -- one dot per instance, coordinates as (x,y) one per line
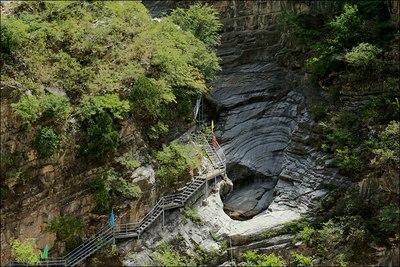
(265,131)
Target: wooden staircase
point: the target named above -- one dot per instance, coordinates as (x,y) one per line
(110,233)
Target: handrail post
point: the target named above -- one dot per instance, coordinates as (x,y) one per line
(113,234)
(206,187)
(163,213)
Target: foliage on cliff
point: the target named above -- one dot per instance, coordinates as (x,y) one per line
(79,75)
(351,53)
(177,160)
(24,251)
(95,50)
(79,69)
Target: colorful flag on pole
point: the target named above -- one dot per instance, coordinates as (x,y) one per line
(112,218)
(45,253)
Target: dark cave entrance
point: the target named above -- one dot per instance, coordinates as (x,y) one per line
(252,192)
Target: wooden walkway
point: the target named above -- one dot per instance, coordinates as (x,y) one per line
(110,233)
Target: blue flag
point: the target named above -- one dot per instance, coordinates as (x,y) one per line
(112,218)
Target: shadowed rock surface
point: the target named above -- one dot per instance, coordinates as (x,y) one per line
(265,128)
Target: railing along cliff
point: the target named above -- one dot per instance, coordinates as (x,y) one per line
(110,233)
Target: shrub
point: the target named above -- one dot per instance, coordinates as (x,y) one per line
(192,214)
(150,97)
(252,258)
(94,105)
(389,218)
(118,186)
(68,229)
(46,142)
(387,147)
(55,106)
(31,108)
(347,27)
(12,34)
(204,257)
(348,161)
(103,201)
(19,175)
(301,260)
(167,257)
(158,130)
(102,197)
(319,112)
(303,28)
(3,194)
(342,259)
(109,186)
(101,136)
(295,226)
(328,237)
(272,260)
(99,115)
(28,109)
(176,160)
(362,54)
(70,74)
(201,20)
(307,235)
(127,161)
(340,137)
(25,251)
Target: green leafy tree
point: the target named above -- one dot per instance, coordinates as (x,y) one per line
(116,185)
(151,97)
(128,161)
(111,103)
(111,186)
(100,115)
(176,160)
(347,27)
(201,20)
(112,48)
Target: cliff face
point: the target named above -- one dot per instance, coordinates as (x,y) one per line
(43,189)
(264,127)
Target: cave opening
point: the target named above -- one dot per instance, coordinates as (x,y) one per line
(252,192)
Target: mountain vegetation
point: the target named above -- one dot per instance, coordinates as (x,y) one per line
(90,66)
(348,49)
(74,74)
(80,78)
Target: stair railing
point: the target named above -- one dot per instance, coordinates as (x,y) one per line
(109,233)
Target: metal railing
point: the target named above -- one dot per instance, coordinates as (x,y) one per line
(109,233)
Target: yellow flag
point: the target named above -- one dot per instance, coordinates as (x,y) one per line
(212,126)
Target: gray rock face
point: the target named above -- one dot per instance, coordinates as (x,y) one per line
(264,128)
